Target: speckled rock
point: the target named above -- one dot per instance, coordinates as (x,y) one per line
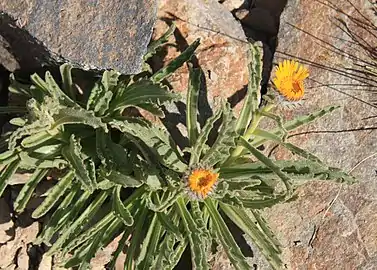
(344,235)
(23,236)
(94,34)
(222,54)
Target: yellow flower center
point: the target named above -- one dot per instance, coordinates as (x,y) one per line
(289,79)
(201,181)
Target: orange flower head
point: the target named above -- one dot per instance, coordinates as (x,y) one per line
(289,79)
(201,182)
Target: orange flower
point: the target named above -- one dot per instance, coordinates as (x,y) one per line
(289,79)
(201,182)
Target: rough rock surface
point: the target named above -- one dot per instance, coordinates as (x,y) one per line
(46,263)
(6,223)
(222,54)
(95,34)
(23,236)
(346,233)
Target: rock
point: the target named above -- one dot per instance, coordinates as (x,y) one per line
(21,50)
(119,265)
(19,178)
(7,60)
(23,236)
(260,20)
(222,55)
(23,259)
(6,223)
(235,4)
(93,34)
(103,256)
(10,267)
(46,263)
(344,239)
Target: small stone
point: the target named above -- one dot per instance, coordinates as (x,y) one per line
(23,236)
(23,259)
(19,178)
(103,256)
(119,264)
(46,263)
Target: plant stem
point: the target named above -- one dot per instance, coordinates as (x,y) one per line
(253,125)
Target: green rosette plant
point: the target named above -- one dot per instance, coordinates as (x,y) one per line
(122,176)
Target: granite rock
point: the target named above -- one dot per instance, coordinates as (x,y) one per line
(222,55)
(330,226)
(94,34)
(23,236)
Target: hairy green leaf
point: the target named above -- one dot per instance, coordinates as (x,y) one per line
(154,45)
(176,63)
(143,91)
(18,121)
(6,173)
(225,140)
(36,127)
(61,216)
(269,163)
(251,199)
(168,224)
(18,88)
(28,189)
(72,153)
(297,122)
(120,178)
(200,143)
(103,103)
(77,116)
(54,194)
(87,214)
(171,251)
(55,91)
(267,247)
(192,104)
(149,246)
(160,200)
(110,79)
(119,209)
(65,72)
(136,238)
(109,221)
(294,149)
(195,235)
(37,139)
(221,232)
(158,140)
(252,98)
(29,162)
(112,155)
